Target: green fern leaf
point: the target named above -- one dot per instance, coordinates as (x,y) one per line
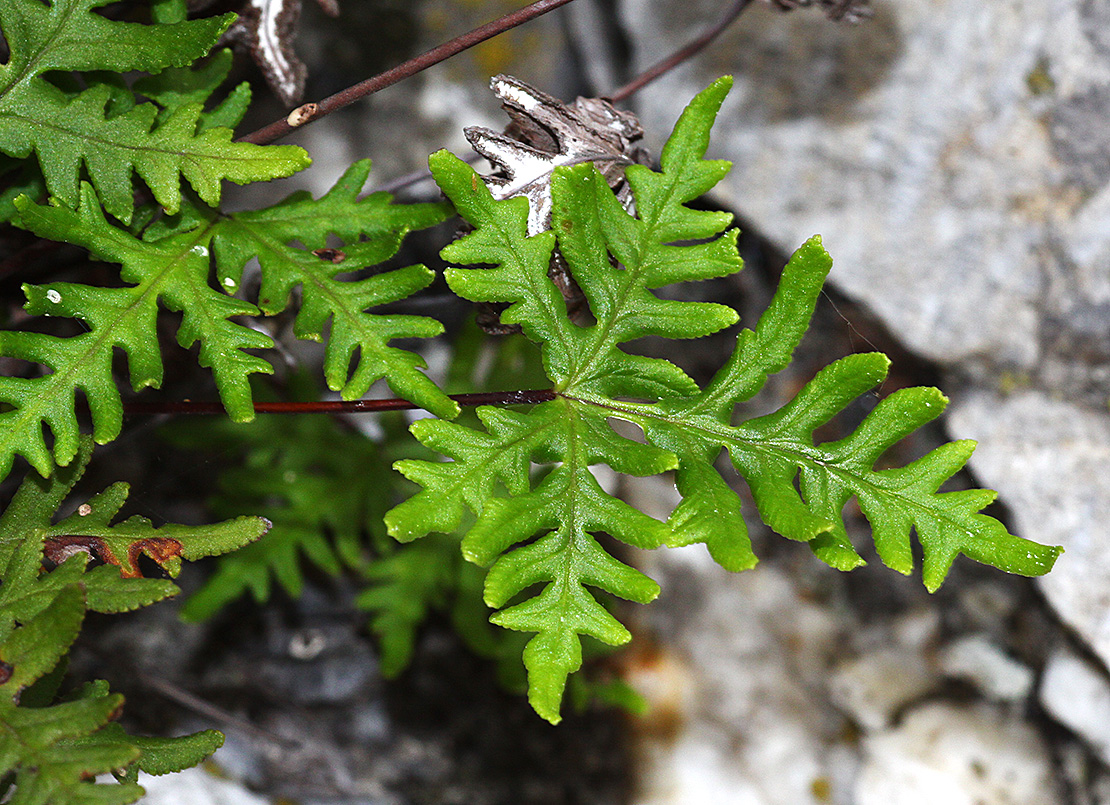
(568,508)
(403,587)
(177,87)
(20,179)
(67,35)
(65,130)
(777,451)
(174,270)
(372,230)
(52,751)
(618,259)
(47,768)
(28,533)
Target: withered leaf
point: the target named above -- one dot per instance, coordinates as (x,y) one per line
(543,134)
(160,549)
(268,28)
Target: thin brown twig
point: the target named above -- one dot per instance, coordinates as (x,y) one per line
(207,709)
(635,85)
(682,54)
(279,128)
(526,397)
(353,93)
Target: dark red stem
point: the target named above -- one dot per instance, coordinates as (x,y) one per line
(279,128)
(528,397)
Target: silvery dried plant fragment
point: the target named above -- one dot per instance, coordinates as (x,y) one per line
(268,28)
(839,10)
(543,134)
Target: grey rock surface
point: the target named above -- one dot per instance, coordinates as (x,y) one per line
(744,700)
(1049,457)
(912,143)
(956,159)
(1077,693)
(873,688)
(982,662)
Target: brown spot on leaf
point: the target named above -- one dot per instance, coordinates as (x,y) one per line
(160,549)
(6,671)
(58,549)
(330,255)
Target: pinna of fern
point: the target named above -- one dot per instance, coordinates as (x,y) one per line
(171,264)
(526,477)
(52,747)
(105,127)
(58,103)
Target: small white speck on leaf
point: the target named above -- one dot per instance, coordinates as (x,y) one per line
(229,282)
(53,296)
(200,249)
(84,510)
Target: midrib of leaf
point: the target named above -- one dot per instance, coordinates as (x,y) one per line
(320,282)
(556,319)
(29,70)
(604,341)
(724,434)
(67,379)
(14,735)
(499,456)
(572,542)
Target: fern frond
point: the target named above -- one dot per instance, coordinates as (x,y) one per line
(20,179)
(617,259)
(52,751)
(66,131)
(371,230)
(174,269)
(177,87)
(568,508)
(777,451)
(402,588)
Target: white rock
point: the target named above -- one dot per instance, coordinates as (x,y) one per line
(195,787)
(943,753)
(1077,694)
(740,712)
(874,687)
(1051,459)
(979,660)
